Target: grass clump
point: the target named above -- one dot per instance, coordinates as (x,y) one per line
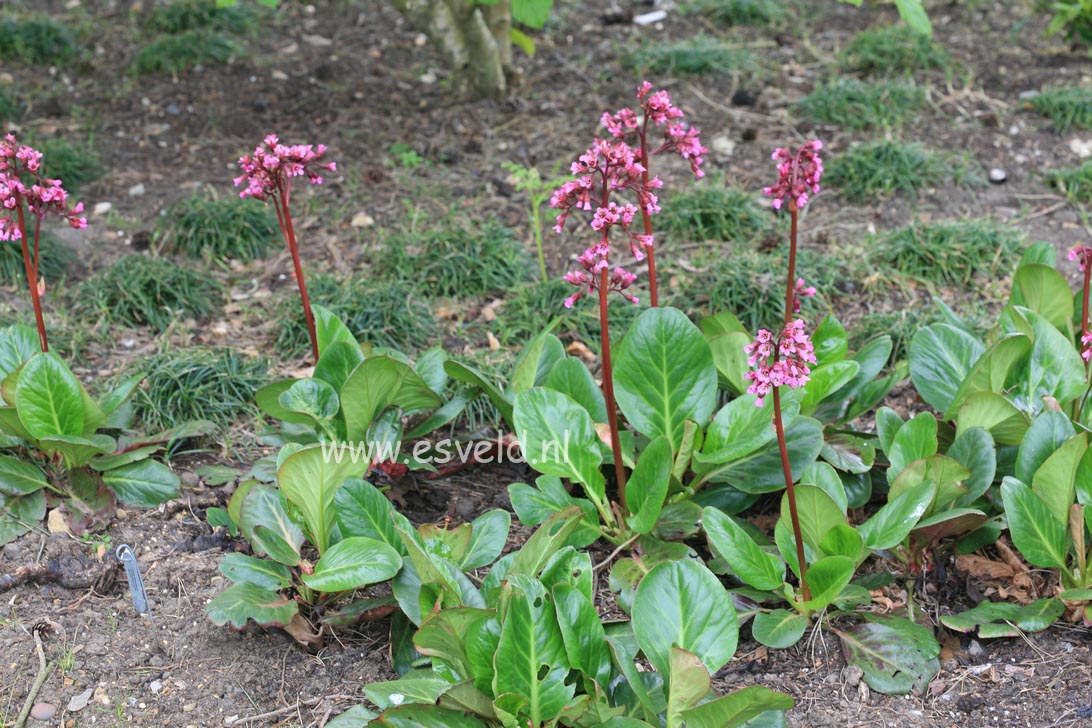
(1074,182)
(741,12)
(751,284)
(218,228)
(707,212)
(882,168)
(178,53)
(530,306)
(900,325)
(853,104)
(893,49)
(11,109)
(215,384)
(381,313)
(699,56)
(52,266)
(1067,107)
(74,163)
(141,290)
(456,258)
(37,41)
(181,16)
(948,253)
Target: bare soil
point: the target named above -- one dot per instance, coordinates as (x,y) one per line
(370,86)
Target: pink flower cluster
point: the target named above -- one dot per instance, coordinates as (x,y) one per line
(1086,346)
(656,106)
(43,196)
(779,363)
(1082,254)
(594,260)
(268,170)
(797,174)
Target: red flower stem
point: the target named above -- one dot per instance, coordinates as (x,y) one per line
(290,238)
(783,447)
(32,279)
(653,287)
(790,289)
(37,253)
(608,391)
(1084,296)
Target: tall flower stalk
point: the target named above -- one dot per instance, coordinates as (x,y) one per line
(25,192)
(678,138)
(784,361)
(268,175)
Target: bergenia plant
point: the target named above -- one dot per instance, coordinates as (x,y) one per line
(678,137)
(783,361)
(268,175)
(23,186)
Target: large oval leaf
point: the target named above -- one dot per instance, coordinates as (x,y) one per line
(18,514)
(1041,539)
(570,376)
(682,604)
(941,356)
(377,383)
(240,602)
(49,398)
(145,483)
(558,438)
(354,562)
(20,478)
(664,375)
(309,479)
(895,654)
(750,563)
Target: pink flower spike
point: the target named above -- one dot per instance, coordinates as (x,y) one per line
(1082,254)
(798,174)
(1086,346)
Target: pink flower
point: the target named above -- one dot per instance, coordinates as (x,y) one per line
(789,367)
(1086,346)
(657,108)
(802,291)
(797,174)
(269,170)
(594,260)
(1082,254)
(43,197)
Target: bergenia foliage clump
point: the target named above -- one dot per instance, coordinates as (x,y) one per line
(267,174)
(24,191)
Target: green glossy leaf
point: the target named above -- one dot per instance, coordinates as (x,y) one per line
(737,708)
(689,683)
(571,377)
(425,716)
(309,479)
(488,536)
(830,341)
(444,637)
(826,478)
(818,513)
(430,367)
(269,529)
(825,380)
(913,14)
(329,329)
(992,370)
(889,526)
(1041,539)
(941,356)
(500,399)
(570,566)
(379,382)
(931,530)
(407,691)
(664,375)
(843,540)
(18,343)
(240,602)
(536,362)
(895,654)
(18,514)
(1055,480)
(647,486)
(779,628)
(682,604)
(582,633)
(107,462)
(915,440)
(871,359)
(849,453)
(546,541)
(730,359)
(740,428)
(533,505)
(678,521)
(18,477)
(144,484)
(1044,290)
(357,716)
(993,412)
(1047,433)
(353,562)
(826,579)
(338,360)
(948,475)
(558,438)
(268,400)
(243,569)
(1054,368)
(888,424)
(764,473)
(1006,619)
(728,540)
(531,659)
(77,451)
(49,398)
(975,450)
(363,510)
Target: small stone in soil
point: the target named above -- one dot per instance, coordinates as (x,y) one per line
(136,190)
(101,208)
(79,702)
(976,651)
(997,175)
(43,711)
(1028,95)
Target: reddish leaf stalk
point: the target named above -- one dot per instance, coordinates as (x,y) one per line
(650,253)
(289,232)
(608,392)
(31,266)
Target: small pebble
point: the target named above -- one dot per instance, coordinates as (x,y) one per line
(976,651)
(136,190)
(101,208)
(1028,95)
(997,175)
(173,110)
(43,711)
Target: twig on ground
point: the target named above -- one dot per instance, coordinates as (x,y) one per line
(44,667)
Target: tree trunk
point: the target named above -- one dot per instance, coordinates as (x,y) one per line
(473,40)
